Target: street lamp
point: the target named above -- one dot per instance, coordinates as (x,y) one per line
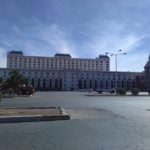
(119,52)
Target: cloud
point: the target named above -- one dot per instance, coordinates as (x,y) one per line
(40,40)
(114,37)
(44,40)
(113,43)
(83,29)
(132,61)
(57,39)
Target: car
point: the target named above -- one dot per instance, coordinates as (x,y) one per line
(108,90)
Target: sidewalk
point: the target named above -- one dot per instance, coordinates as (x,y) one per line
(32,114)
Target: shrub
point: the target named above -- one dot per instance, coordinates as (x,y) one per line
(3,92)
(121,91)
(0,96)
(28,90)
(148,90)
(135,91)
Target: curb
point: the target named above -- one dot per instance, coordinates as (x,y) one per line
(34,118)
(16,96)
(65,114)
(16,119)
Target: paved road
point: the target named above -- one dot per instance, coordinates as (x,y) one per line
(98,123)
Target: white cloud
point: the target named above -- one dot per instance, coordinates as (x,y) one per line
(114,38)
(54,38)
(127,43)
(58,39)
(115,42)
(133,61)
(42,39)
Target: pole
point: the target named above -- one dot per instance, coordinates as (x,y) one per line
(116,73)
(116,63)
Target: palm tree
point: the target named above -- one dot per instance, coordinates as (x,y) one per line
(15,80)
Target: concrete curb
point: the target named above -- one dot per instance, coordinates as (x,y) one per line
(35,118)
(14,96)
(16,119)
(65,114)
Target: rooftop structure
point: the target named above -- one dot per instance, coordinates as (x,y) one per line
(103,56)
(63,55)
(15,52)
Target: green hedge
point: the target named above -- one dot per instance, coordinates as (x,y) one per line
(121,91)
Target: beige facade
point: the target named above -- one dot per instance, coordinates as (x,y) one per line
(16,59)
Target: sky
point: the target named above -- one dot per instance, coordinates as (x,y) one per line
(82,28)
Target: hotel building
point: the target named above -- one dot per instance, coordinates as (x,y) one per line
(17,60)
(62,72)
(147,73)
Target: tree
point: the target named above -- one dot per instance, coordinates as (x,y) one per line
(14,81)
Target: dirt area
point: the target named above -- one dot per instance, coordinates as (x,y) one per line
(30,111)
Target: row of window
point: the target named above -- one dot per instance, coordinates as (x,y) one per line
(61,67)
(58,61)
(74,74)
(59,64)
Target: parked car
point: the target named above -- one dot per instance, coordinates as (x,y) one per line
(109,90)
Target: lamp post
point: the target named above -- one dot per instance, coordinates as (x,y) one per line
(119,52)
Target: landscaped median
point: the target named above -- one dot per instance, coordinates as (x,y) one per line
(32,114)
(110,94)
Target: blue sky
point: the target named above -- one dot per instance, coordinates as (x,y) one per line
(83,28)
